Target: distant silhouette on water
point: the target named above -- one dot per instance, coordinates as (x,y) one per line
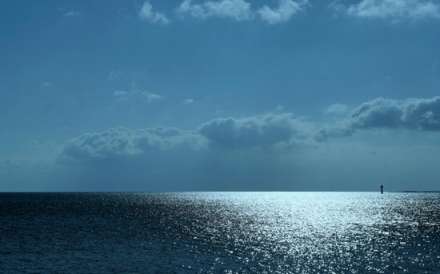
(381,189)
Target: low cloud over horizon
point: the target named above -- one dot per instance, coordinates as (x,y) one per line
(272,151)
(242,153)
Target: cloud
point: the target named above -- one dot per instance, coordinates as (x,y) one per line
(417,114)
(123,143)
(333,131)
(239,10)
(149,97)
(272,131)
(148,14)
(337,109)
(422,114)
(283,13)
(395,9)
(253,151)
(71,13)
(120,93)
(188,101)
(263,131)
(269,151)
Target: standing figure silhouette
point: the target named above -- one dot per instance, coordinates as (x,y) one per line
(381,189)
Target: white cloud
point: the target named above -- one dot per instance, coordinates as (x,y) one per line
(337,109)
(123,143)
(422,114)
(148,14)
(71,13)
(414,113)
(239,10)
(395,9)
(122,95)
(151,97)
(163,159)
(188,101)
(262,131)
(269,131)
(283,13)
(246,153)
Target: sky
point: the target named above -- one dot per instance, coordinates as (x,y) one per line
(229,95)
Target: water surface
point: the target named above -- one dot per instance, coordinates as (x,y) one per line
(245,232)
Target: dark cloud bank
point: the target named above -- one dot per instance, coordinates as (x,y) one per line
(258,152)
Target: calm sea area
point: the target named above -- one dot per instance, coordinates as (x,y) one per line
(220,232)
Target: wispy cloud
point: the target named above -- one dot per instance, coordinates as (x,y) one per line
(71,13)
(147,13)
(188,101)
(120,93)
(241,10)
(123,95)
(395,9)
(151,97)
(284,12)
(238,10)
(336,109)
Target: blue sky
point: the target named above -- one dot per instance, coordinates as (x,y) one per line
(249,95)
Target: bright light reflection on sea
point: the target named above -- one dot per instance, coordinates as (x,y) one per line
(230,232)
(323,232)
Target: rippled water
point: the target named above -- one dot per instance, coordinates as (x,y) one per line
(220,233)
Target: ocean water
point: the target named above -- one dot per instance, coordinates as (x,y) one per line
(264,232)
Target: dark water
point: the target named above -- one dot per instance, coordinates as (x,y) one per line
(220,233)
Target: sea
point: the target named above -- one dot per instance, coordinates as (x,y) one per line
(220,232)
